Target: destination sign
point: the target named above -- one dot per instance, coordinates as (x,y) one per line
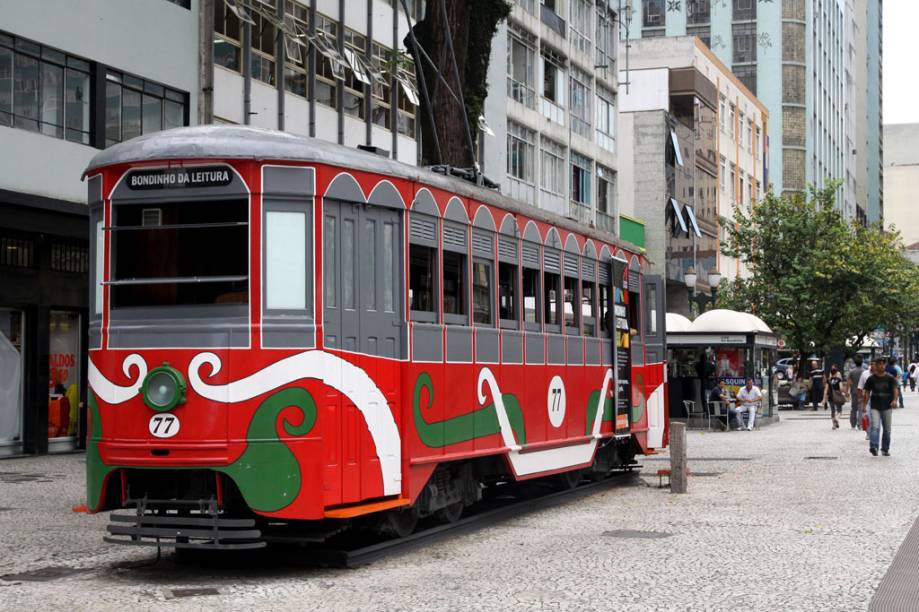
(179,178)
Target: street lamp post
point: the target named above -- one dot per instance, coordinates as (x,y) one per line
(700,299)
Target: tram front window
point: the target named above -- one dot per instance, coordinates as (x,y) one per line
(180,254)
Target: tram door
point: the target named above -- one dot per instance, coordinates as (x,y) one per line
(655,338)
(362,314)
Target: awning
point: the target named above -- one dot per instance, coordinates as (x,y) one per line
(676,148)
(692,220)
(678,214)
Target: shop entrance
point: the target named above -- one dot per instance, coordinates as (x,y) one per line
(11,377)
(63,380)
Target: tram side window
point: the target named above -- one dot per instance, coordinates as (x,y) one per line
(180,254)
(481,292)
(605,320)
(422,273)
(454,286)
(588,309)
(507,289)
(531,296)
(551,299)
(571,303)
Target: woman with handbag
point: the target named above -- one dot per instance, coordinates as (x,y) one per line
(835,394)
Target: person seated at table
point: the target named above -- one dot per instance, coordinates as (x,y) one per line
(720,394)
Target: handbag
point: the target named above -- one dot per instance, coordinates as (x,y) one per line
(866,423)
(839,398)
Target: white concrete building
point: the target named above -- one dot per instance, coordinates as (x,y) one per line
(901,181)
(552,106)
(75,77)
(338,72)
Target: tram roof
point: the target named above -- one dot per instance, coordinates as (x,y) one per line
(247,142)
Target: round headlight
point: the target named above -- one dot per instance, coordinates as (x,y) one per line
(164,388)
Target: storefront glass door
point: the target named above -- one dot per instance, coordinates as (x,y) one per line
(11,376)
(63,380)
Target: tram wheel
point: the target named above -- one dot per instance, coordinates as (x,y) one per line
(567,480)
(399,522)
(449,514)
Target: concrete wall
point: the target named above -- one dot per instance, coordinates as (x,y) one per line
(901,179)
(152,39)
(648,187)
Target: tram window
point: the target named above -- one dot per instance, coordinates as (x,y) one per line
(551,299)
(454,285)
(531,296)
(507,292)
(199,255)
(604,295)
(422,273)
(285,260)
(481,292)
(588,309)
(571,303)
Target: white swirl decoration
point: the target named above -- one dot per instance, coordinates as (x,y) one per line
(111,393)
(341,375)
(538,461)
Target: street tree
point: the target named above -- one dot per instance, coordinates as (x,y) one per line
(472,24)
(817,279)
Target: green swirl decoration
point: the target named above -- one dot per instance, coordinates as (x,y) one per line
(593,403)
(267,473)
(96,470)
(465,427)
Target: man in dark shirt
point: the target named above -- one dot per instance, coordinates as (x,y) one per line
(720,394)
(854,375)
(881,391)
(816,376)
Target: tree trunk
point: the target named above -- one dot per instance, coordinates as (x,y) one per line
(473,24)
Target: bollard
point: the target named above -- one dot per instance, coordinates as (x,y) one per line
(679,475)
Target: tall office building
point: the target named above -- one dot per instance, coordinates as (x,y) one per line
(792,55)
(552,108)
(869,121)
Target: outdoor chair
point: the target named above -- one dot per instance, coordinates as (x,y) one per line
(717,409)
(691,411)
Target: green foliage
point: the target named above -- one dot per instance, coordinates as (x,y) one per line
(816,279)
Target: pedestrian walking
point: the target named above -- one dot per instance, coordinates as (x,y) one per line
(881,391)
(835,394)
(750,397)
(912,372)
(894,369)
(863,408)
(816,390)
(853,376)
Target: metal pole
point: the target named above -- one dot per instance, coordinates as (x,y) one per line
(679,475)
(206,67)
(281,56)
(247,72)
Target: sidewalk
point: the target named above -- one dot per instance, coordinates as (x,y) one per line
(794,516)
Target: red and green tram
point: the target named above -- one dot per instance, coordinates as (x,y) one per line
(285,331)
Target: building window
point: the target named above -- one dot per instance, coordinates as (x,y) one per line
(70,256)
(606,191)
(17,252)
(723,175)
(746,73)
(698,12)
(733,177)
(134,106)
(703,33)
(264,39)
(407,98)
(552,168)
(579,104)
(740,136)
(329,65)
(579,24)
(356,74)
(606,120)
(744,42)
(749,136)
(732,123)
(43,90)
(521,149)
(553,84)
(381,113)
(415,8)
(722,114)
(521,64)
(296,56)
(653,14)
(758,145)
(227,37)
(744,10)
(606,40)
(580,179)
(182,3)
(528,5)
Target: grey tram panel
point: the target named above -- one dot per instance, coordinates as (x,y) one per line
(487,345)
(289,189)
(656,342)
(593,351)
(459,344)
(556,343)
(511,347)
(427,342)
(360,316)
(575,350)
(535,348)
(94,201)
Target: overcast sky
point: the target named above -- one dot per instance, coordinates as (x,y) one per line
(901,74)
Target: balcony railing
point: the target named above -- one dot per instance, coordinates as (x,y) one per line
(606,222)
(552,19)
